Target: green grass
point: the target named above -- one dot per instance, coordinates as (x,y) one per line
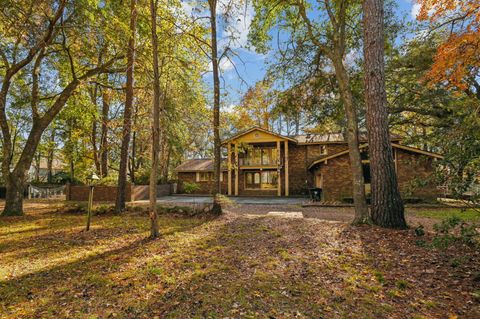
(467,215)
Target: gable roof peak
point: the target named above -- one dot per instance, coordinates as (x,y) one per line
(258,128)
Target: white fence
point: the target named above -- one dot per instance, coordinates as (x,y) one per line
(46,192)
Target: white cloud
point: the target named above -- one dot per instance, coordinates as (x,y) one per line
(229,108)
(238,29)
(187,8)
(415,10)
(225,64)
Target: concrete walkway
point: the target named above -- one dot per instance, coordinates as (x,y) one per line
(238,200)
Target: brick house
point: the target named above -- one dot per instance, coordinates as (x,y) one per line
(263,163)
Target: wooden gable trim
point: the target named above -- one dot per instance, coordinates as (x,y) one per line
(326,158)
(417,150)
(407,148)
(237,136)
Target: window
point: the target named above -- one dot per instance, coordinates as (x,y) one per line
(261,180)
(269,179)
(252,180)
(323,149)
(256,177)
(257,156)
(204,176)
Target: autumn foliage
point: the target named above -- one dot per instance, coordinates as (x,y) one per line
(458,58)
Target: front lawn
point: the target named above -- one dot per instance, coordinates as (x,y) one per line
(236,266)
(470,215)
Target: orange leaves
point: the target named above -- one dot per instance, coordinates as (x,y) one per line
(455,58)
(459,55)
(434,10)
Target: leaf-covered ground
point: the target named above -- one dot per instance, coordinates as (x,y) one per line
(236,266)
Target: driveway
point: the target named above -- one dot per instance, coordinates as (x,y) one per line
(237,200)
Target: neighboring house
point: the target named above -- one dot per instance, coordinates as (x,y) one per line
(263,163)
(38,171)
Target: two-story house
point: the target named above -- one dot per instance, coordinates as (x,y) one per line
(263,163)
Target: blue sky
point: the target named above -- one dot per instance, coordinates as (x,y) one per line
(251,66)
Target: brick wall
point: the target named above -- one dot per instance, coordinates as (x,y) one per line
(337,178)
(109,193)
(205,187)
(100,193)
(336,148)
(414,172)
(415,175)
(300,179)
(141,192)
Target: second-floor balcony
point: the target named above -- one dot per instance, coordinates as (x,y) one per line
(265,156)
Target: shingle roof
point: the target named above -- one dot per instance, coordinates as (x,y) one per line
(198,165)
(319,138)
(331,138)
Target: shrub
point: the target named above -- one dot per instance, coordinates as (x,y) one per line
(110,180)
(190,187)
(420,230)
(103,209)
(454,229)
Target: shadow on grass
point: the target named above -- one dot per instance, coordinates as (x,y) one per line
(248,268)
(237,267)
(16,292)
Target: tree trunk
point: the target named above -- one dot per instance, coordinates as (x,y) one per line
(167,163)
(127,115)
(133,163)
(216,108)
(15,179)
(50,157)
(361,209)
(72,172)
(154,233)
(387,205)
(93,138)
(104,135)
(38,158)
(13,197)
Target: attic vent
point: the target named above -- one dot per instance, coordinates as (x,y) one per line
(256,135)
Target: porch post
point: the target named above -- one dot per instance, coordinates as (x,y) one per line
(279,170)
(287,186)
(236,169)
(229,167)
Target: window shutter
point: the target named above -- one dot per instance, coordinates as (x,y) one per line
(197,177)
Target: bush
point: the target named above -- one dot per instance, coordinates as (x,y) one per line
(63,178)
(190,187)
(110,180)
(203,210)
(454,229)
(103,209)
